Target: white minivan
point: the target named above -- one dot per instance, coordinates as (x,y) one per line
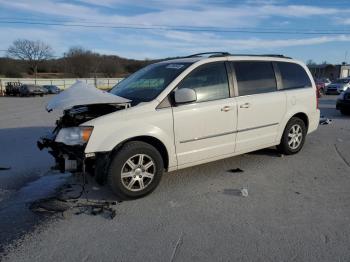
(180,113)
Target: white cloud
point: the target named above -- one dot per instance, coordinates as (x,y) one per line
(160,43)
(343,21)
(173,13)
(185,43)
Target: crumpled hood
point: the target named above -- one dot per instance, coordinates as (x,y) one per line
(82,93)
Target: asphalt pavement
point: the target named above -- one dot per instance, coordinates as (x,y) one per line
(297,208)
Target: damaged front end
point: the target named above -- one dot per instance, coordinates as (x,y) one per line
(68,140)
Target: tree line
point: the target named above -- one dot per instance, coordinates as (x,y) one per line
(27,58)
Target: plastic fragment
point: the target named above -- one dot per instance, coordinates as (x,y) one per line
(244,192)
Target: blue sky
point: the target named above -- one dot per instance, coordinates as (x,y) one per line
(317,30)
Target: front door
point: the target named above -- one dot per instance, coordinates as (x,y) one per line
(205,129)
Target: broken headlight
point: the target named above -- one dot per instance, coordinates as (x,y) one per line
(74,135)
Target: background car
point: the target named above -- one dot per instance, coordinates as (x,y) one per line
(12,88)
(338,86)
(325,81)
(321,84)
(32,90)
(343,102)
(52,89)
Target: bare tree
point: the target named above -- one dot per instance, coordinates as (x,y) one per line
(310,62)
(33,52)
(81,62)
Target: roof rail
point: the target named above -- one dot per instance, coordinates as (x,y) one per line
(268,55)
(218,54)
(210,54)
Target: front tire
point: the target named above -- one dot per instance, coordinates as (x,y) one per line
(135,170)
(293,137)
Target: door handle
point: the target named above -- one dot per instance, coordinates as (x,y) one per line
(226,108)
(245,105)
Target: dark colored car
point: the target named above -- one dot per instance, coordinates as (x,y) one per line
(51,89)
(12,88)
(338,86)
(32,90)
(343,102)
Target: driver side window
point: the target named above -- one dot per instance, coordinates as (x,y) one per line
(209,81)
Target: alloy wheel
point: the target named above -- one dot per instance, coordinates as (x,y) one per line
(138,172)
(295,136)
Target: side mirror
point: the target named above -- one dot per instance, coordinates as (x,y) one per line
(185,95)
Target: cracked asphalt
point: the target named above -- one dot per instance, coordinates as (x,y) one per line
(298,207)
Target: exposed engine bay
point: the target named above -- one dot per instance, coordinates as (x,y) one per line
(80,103)
(72,157)
(80,114)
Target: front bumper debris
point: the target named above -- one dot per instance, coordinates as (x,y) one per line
(68,158)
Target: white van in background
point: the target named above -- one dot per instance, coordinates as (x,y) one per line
(183,112)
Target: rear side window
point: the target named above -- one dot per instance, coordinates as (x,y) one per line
(255,77)
(209,81)
(293,76)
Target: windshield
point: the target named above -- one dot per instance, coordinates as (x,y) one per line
(147,83)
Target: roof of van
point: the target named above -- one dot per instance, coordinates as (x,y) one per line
(212,55)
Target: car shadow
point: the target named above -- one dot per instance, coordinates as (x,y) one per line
(271,151)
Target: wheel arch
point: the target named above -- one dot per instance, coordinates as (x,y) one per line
(159,145)
(302,115)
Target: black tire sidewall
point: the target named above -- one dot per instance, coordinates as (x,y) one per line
(128,150)
(345,112)
(284,146)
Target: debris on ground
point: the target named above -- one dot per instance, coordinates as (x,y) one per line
(4,168)
(297,192)
(235,170)
(70,199)
(325,121)
(49,206)
(55,205)
(244,192)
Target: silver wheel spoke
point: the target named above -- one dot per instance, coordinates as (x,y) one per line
(131,183)
(142,185)
(127,174)
(149,175)
(148,165)
(131,164)
(141,160)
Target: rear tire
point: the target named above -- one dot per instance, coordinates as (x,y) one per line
(135,170)
(293,137)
